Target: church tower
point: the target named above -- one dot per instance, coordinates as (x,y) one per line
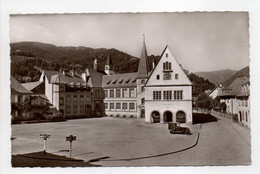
(109,67)
(142,76)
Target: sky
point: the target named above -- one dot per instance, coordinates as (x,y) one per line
(201,41)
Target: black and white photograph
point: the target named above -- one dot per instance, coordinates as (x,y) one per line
(166,89)
(130,89)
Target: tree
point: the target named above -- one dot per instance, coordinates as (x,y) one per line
(204,101)
(215,103)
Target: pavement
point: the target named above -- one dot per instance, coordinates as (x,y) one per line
(132,142)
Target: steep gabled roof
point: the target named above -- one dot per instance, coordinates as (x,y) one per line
(181,69)
(56,76)
(234,88)
(31,85)
(96,77)
(143,68)
(16,86)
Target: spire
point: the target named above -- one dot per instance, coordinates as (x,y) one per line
(143,68)
(109,60)
(109,68)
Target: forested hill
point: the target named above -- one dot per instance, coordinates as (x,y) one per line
(25,55)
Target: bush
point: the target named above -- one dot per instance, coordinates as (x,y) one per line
(124,116)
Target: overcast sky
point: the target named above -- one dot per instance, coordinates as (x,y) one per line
(201,41)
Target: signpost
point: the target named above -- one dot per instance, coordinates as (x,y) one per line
(70,139)
(45,137)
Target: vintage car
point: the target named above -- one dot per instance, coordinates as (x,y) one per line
(175,128)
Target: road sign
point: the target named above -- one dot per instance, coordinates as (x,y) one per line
(70,139)
(45,137)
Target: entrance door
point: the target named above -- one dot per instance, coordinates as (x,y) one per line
(142,113)
(180,117)
(167,117)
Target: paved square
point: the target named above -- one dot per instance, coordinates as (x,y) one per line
(132,142)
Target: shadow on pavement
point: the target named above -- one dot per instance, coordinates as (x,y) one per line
(199,118)
(39,159)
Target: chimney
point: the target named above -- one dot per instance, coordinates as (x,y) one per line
(95,63)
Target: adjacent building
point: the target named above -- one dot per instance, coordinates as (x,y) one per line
(19,97)
(243,107)
(68,93)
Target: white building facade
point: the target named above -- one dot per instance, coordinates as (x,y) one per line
(168,92)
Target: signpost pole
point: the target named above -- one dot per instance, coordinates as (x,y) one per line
(70,139)
(44,145)
(70,148)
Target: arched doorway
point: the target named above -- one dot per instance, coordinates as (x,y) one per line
(142,113)
(155,117)
(180,117)
(167,116)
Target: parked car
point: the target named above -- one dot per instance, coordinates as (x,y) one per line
(177,129)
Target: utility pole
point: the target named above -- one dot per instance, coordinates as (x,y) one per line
(45,137)
(70,139)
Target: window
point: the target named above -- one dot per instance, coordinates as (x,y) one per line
(143,81)
(118,93)
(61,88)
(81,108)
(178,95)
(124,106)
(81,98)
(125,93)
(75,98)
(246,116)
(75,109)
(132,106)
(106,106)
(61,100)
(166,55)
(142,101)
(245,103)
(157,95)
(158,77)
(111,93)
(167,66)
(112,106)
(132,92)
(176,76)
(106,93)
(68,99)
(167,76)
(68,109)
(118,105)
(88,97)
(167,95)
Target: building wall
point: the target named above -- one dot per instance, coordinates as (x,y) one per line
(244,112)
(214,93)
(185,104)
(121,112)
(73,104)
